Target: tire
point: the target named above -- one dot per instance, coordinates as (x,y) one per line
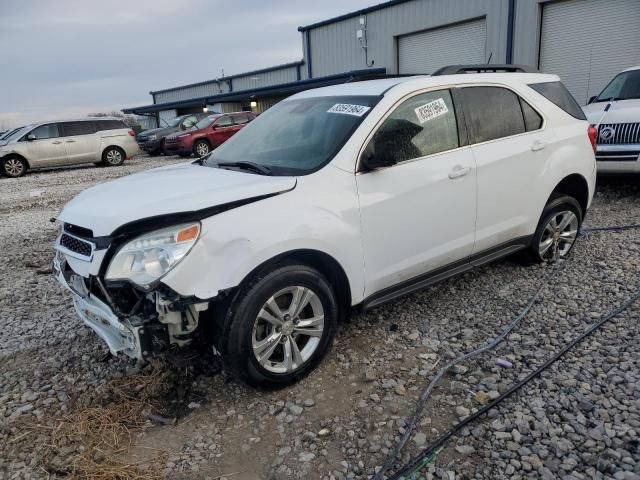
(201,148)
(251,321)
(113,157)
(14,167)
(553,240)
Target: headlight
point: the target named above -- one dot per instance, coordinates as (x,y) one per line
(149,257)
(152,137)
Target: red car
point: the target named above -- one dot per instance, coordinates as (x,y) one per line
(207,134)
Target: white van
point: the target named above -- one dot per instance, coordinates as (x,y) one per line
(102,140)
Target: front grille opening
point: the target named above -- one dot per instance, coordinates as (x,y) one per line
(79,231)
(75,245)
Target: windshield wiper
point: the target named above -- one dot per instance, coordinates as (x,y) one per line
(254,167)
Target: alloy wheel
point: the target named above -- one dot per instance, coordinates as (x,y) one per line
(288,329)
(202,149)
(113,157)
(13,167)
(558,236)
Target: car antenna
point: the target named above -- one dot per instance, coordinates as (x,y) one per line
(604,112)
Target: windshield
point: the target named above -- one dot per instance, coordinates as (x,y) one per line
(296,137)
(624,86)
(14,133)
(206,121)
(176,121)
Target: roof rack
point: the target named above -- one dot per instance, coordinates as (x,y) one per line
(483,68)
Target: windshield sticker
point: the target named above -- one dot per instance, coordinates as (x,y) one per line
(348,109)
(431,110)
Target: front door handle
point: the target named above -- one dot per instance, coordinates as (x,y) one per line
(458,171)
(71,141)
(56,142)
(537,145)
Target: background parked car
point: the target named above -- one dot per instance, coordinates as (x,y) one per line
(89,140)
(152,141)
(618,134)
(207,134)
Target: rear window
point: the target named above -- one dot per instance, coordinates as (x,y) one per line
(109,124)
(557,93)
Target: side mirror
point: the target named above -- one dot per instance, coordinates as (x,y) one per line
(591,99)
(31,137)
(372,161)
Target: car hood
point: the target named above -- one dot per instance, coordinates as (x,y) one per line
(621,111)
(167,190)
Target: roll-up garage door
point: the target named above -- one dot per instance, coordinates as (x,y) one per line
(427,51)
(587,42)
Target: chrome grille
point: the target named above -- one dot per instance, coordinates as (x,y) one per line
(75,245)
(618,133)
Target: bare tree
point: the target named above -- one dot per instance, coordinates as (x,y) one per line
(129,120)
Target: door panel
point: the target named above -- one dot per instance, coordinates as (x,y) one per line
(81,142)
(510,150)
(415,218)
(418,214)
(47,150)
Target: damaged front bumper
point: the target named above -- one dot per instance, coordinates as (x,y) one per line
(135,323)
(120,336)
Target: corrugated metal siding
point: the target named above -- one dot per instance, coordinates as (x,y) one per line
(587,41)
(165,116)
(427,51)
(274,77)
(265,79)
(335,48)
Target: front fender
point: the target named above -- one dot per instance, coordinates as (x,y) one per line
(320,214)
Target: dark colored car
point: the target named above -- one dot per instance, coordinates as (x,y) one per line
(207,134)
(152,141)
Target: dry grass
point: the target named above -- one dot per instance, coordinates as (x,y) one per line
(90,442)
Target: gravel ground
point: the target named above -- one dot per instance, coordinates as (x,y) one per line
(579,420)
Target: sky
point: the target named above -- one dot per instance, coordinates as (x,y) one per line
(68,58)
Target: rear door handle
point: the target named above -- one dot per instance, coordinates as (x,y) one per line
(537,145)
(458,171)
(56,142)
(71,141)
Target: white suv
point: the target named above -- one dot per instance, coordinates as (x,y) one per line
(616,115)
(339,197)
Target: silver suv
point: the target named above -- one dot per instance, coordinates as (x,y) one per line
(50,144)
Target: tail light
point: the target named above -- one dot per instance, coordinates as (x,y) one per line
(132,133)
(593,133)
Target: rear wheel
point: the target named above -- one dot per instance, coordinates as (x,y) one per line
(14,166)
(201,148)
(113,157)
(557,230)
(280,327)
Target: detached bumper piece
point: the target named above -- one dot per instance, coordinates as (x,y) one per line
(131,322)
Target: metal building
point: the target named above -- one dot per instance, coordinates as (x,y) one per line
(586,42)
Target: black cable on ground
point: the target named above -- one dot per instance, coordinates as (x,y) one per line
(416,461)
(410,423)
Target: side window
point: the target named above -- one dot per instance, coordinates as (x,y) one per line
(492,112)
(109,125)
(241,118)
(45,131)
(532,120)
(224,121)
(420,126)
(72,129)
(189,122)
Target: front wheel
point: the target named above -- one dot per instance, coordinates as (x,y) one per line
(557,230)
(201,148)
(280,327)
(14,166)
